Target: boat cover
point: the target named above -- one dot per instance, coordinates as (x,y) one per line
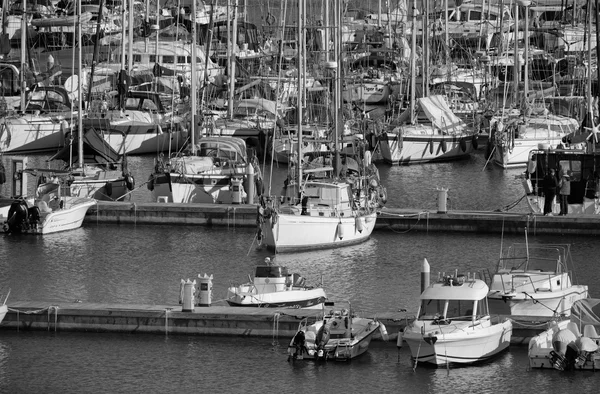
(439,113)
(586,311)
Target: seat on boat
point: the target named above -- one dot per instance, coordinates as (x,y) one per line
(590,331)
(574,328)
(43,207)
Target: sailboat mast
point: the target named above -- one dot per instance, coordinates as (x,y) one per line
(194,82)
(232,59)
(413,68)
(79,88)
(23,54)
(300,99)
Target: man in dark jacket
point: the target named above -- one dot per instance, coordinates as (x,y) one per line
(549,188)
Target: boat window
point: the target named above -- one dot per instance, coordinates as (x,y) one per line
(270,272)
(475,15)
(132,103)
(149,105)
(152,58)
(168,59)
(572,167)
(459,309)
(431,309)
(137,58)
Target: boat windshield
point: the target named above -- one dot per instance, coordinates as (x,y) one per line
(270,271)
(450,309)
(540,258)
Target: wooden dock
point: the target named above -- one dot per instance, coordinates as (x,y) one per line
(393,219)
(218,320)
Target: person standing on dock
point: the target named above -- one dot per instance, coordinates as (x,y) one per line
(550,184)
(565,190)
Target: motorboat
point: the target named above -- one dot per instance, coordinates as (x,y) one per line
(273,287)
(221,171)
(534,281)
(570,344)
(453,324)
(439,135)
(52,211)
(340,335)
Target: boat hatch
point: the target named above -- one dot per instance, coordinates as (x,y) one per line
(269,271)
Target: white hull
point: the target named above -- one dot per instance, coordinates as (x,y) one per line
(369,92)
(31,134)
(538,304)
(290,232)
(307,299)
(518,155)
(68,218)
(148,142)
(458,343)
(426,148)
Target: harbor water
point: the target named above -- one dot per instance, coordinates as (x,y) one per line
(144,264)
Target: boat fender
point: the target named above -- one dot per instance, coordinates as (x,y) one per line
(400,339)
(259,186)
(346,322)
(383,331)
(340,231)
(444,145)
(463,145)
(531,164)
(2,174)
(475,142)
(383,194)
(150,183)
(431,147)
(359,225)
(108,188)
(129,181)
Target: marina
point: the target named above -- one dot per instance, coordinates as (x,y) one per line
(152,155)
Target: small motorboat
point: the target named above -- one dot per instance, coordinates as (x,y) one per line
(51,212)
(570,344)
(340,335)
(453,325)
(274,287)
(534,281)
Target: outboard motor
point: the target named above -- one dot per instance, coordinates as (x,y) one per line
(18,215)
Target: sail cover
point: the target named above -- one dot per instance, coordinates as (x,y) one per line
(439,113)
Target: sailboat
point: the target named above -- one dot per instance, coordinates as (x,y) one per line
(54,208)
(515,132)
(327,201)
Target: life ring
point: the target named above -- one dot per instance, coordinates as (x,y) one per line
(129,182)
(270,19)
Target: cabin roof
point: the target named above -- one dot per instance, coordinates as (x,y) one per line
(470,290)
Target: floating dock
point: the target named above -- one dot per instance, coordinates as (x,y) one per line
(169,319)
(210,320)
(392,219)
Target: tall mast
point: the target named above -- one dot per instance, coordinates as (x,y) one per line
(79,88)
(194,82)
(300,99)
(23,54)
(413,68)
(232,59)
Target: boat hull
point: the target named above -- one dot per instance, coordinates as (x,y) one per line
(68,218)
(518,155)
(290,232)
(410,149)
(537,304)
(458,346)
(32,134)
(309,299)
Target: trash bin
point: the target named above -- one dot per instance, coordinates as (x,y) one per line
(204,290)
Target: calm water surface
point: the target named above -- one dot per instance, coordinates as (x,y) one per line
(144,264)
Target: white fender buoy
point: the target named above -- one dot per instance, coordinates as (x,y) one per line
(444,146)
(383,331)
(340,231)
(359,225)
(400,339)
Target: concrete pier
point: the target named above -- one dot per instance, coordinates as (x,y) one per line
(212,320)
(168,319)
(393,219)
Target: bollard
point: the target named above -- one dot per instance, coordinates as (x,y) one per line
(237,191)
(425,273)
(442,200)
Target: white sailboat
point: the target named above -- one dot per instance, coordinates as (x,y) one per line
(322,204)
